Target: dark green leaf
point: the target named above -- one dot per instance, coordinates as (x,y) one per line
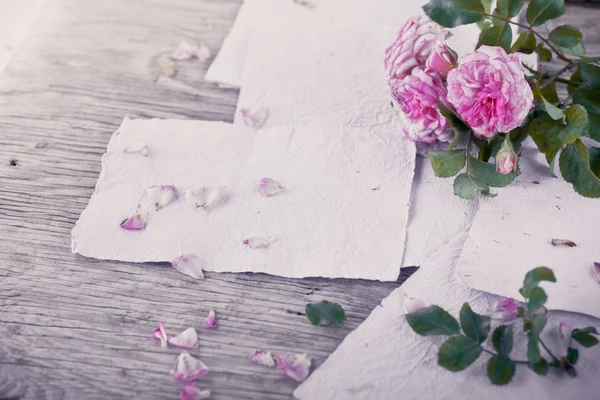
(578,50)
(460,128)
(433,320)
(509,8)
(543,52)
(525,43)
(595,160)
(540,11)
(572,355)
(452,13)
(549,92)
(325,313)
(500,369)
(540,368)
(553,111)
(590,75)
(487,5)
(566,36)
(537,298)
(487,173)
(447,163)
(502,338)
(458,352)
(584,338)
(498,35)
(575,78)
(537,275)
(467,187)
(589,329)
(517,136)
(590,99)
(533,349)
(576,169)
(474,325)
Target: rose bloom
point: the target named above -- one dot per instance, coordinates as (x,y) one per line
(417,96)
(415,42)
(441,60)
(489,91)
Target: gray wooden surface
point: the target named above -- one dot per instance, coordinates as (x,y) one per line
(75,328)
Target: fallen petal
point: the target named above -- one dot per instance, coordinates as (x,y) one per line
(203,53)
(211,320)
(138,147)
(411,304)
(187,50)
(192,392)
(258,242)
(190,265)
(564,330)
(187,339)
(296,367)
(506,309)
(160,334)
(41,145)
(204,197)
(188,368)
(255,117)
(269,187)
(161,195)
(262,357)
(563,242)
(135,223)
(596,271)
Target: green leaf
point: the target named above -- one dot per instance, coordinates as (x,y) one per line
(460,128)
(590,75)
(566,36)
(467,187)
(498,35)
(578,50)
(433,320)
(553,111)
(502,338)
(447,163)
(543,52)
(533,350)
(537,275)
(589,329)
(595,160)
(525,43)
(540,368)
(500,369)
(452,13)
(458,352)
(537,298)
(540,11)
(590,99)
(487,5)
(487,173)
(572,355)
(509,8)
(576,169)
(576,78)
(325,313)
(549,92)
(584,338)
(474,325)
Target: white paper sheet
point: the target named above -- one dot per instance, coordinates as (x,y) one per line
(384,359)
(327,222)
(512,234)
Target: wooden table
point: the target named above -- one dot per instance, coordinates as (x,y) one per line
(77,328)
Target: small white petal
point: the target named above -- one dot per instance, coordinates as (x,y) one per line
(269,187)
(296,367)
(204,197)
(139,147)
(190,265)
(203,53)
(161,195)
(262,357)
(187,50)
(211,320)
(258,242)
(411,304)
(564,330)
(160,334)
(254,117)
(188,368)
(187,339)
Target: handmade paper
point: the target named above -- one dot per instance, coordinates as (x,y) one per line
(384,359)
(513,231)
(342,213)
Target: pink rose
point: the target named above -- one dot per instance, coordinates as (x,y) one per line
(506,159)
(415,41)
(417,96)
(441,60)
(489,91)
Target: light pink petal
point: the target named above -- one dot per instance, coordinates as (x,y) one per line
(160,334)
(211,320)
(596,271)
(41,145)
(564,330)
(187,50)
(296,367)
(204,197)
(262,357)
(269,187)
(161,195)
(187,339)
(193,392)
(203,53)
(411,304)
(190,265)
(135,223)
(138,147)
(506,309)
(258,242)
(188,368)
(254,117)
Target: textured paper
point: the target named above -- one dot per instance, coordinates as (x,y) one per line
(384,359)
(343,212)
(512,234)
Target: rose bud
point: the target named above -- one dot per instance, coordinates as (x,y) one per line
(506,159)
(441,60)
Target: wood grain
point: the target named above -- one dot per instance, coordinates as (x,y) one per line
(75,328)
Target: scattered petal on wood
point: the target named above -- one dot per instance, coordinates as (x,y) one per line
(190,265)
(135,223)
(188,368)
(160,334)
(563,242)
(255,117)
(262,357)
(269,187)
(211,320)
(296,367)
(411,304)
(41,145)
(564,330)
(204,197)
(187,339)
(161,195)
(187,50)
(192,392)
(258,242)
(596,271)
(138,147)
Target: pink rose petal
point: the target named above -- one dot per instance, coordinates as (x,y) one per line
(192,392)
(160,334)
(187,339)
(296,367)
(190,265)
(258,242)
(204,197)
(262,357)
(161,195)
(139,147)
(186,50)
(564,330)
(135,223)
(188,368)
(269,187)
(596,271)
(211,320)
(255,117)
(506,309)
